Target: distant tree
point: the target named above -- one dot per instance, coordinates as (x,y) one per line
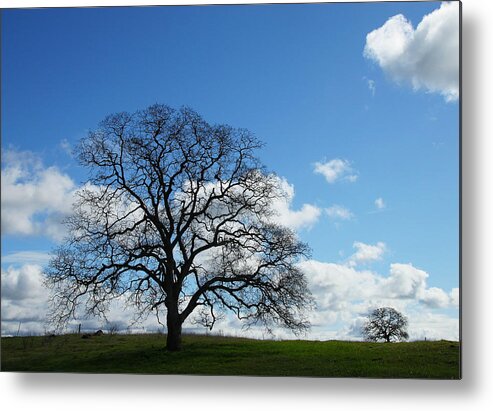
(177,217)
(385,324)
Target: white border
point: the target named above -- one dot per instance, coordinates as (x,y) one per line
(128,392)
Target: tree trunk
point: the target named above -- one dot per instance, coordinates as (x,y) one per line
(173,323)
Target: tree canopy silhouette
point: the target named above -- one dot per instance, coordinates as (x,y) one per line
(177,218)
(385,324)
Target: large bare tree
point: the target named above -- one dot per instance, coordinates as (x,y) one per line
(177,217)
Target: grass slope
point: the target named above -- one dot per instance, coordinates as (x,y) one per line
(207,355)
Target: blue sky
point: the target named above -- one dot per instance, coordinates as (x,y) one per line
(307,81)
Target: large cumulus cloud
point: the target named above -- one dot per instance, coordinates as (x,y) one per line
(426,57)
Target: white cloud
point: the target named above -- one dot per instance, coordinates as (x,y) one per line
(336,285)
(24,300)
(436,297)
(454,297)
(34,198)
(379,203)
(405,281)
(26,257)
(345,294)
(305,217)
(338,212)
(22,283)
(426,57)
(336,169)
(366,253)
(432,326)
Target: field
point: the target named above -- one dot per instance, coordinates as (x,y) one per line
(210,355)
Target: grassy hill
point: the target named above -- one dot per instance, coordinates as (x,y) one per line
(207,355)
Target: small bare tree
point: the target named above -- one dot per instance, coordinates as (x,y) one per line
(385,324)
(177,217)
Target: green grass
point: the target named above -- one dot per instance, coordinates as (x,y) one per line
(207,355)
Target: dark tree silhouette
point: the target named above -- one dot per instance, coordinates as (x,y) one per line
(177,217)
(385,324)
